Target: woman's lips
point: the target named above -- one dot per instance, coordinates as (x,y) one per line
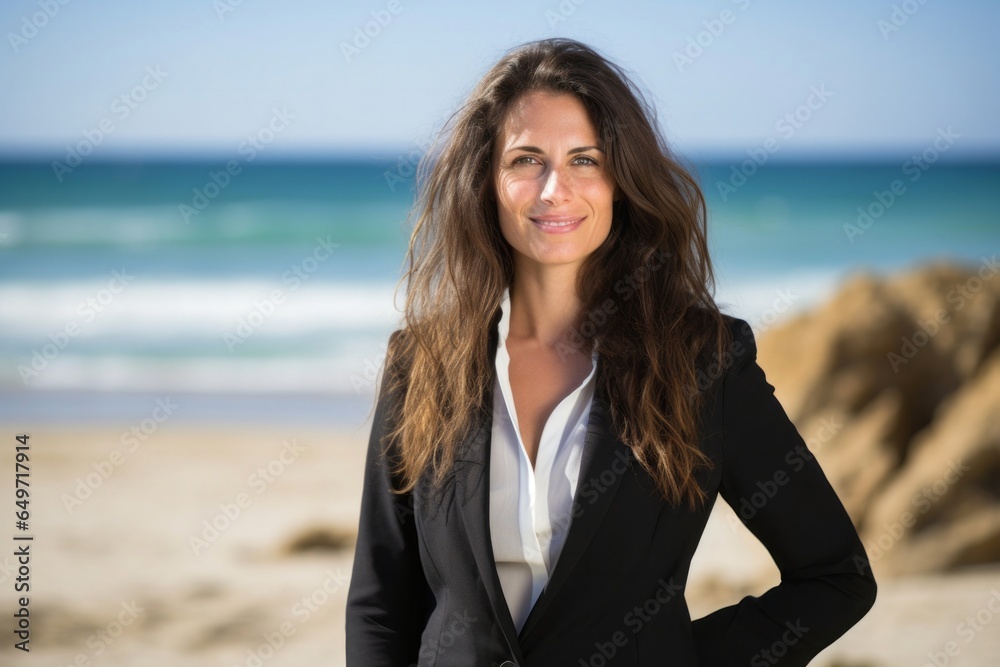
(557,225)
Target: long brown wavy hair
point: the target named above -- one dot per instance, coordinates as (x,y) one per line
(654,267)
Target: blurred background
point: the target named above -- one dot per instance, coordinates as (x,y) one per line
(203,220)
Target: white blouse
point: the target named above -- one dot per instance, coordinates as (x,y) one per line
(531,508)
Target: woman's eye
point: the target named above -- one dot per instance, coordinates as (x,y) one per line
(581,160)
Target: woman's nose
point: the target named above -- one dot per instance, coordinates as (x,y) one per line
(556,187)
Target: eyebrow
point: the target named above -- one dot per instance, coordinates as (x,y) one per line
(536,149)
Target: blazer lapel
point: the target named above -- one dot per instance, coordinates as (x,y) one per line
(473,482)
(601,451)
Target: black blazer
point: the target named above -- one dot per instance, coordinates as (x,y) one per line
(425,591)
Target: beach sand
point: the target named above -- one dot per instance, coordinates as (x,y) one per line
(117,580)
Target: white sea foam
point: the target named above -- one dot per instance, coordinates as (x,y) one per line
(767,300)
(345,375)
(162,309)
(169,335)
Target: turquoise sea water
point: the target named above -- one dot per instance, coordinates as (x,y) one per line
(134,279)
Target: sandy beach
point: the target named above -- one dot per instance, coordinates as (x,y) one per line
(211,546)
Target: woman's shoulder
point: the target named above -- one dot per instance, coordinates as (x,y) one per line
(743,345)
(397,337)
(397,350)
(740,349)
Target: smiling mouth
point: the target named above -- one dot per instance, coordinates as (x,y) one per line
(561,224)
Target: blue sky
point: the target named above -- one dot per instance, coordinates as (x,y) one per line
(893,73)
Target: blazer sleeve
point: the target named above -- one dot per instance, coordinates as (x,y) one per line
(781,494)
(388,597)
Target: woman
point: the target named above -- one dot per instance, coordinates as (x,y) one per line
(565,403)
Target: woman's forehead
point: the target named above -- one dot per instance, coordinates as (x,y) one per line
(544,116)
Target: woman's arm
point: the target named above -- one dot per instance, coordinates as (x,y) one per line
(388,598)
(826,581)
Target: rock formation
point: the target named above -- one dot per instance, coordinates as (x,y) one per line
(895,385)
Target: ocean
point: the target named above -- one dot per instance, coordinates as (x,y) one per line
(264,291)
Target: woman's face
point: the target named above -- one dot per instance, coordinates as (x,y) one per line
(554,194)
